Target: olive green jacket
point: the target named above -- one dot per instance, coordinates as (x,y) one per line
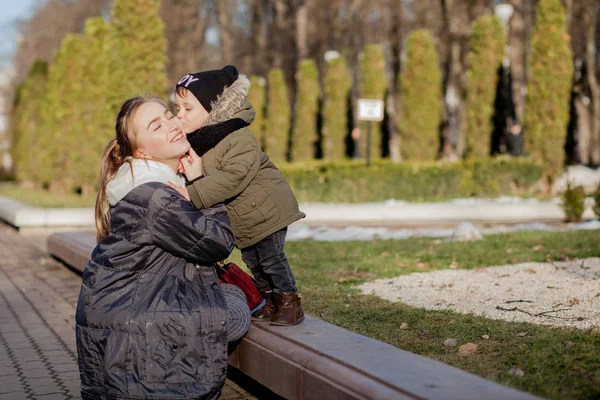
(239,174)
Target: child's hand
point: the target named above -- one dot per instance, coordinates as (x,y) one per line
(183,191)
(192,165)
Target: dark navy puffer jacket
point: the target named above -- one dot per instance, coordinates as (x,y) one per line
(151,318)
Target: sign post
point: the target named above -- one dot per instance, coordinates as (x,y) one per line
(370,110)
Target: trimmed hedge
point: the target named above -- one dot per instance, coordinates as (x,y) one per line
(353,182)
(573,202)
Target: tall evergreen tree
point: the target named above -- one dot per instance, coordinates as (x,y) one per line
(138,50)
(257,97)
(337,85)
(278,117)
(61,113)
(26,122)
(97,116)
(305,134)
(420,99)
(485,57)
(551,70)
(373,84)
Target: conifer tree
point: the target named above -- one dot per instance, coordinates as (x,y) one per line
(257,97)
(138,53)
(335,116)
(420,98)
(485,57)
(97,117)
(551,71)
(278,117)
(305,135)
(26,122)
(61,114)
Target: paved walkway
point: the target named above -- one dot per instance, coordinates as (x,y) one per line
(392,213)
(37,311)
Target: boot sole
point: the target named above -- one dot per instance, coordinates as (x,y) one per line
(294,324)
(260,319)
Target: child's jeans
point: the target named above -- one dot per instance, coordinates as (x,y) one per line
(269,265)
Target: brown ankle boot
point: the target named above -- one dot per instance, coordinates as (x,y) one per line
(289,309)
(268,311)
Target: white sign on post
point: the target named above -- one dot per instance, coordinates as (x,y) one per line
(370,110)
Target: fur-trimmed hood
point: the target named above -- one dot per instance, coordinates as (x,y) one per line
(232,103)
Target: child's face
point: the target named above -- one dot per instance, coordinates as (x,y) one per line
(189,111)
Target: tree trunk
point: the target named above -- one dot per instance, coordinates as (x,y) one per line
(583,125)
(259,29)
(395,38)
(518,58)
(454,100)
(594,89)
(185,28)
(301,30)
(479,7)
(455,28)
(281,10)
(225,34)
(446,39)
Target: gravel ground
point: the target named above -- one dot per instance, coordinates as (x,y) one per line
(565,294)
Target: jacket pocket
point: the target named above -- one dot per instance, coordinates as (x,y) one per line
(249,209)
(166,351)
(165,343)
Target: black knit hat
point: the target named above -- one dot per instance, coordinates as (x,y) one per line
(208,85)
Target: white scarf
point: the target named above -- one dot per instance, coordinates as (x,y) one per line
(144,171)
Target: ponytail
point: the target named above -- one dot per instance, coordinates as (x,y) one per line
(112,160)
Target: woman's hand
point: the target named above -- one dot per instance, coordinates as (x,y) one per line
(192,165)
(183,191)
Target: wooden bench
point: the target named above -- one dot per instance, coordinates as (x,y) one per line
(317,360)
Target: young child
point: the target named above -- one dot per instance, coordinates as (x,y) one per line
(215,112)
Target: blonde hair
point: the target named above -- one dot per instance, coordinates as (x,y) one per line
(119,150)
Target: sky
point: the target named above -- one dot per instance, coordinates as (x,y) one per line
(10,12)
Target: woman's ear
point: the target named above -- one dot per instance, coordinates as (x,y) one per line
(140,153)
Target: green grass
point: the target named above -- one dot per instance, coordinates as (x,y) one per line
(326,272)
(43,198)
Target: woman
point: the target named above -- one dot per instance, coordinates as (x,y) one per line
(152,320)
